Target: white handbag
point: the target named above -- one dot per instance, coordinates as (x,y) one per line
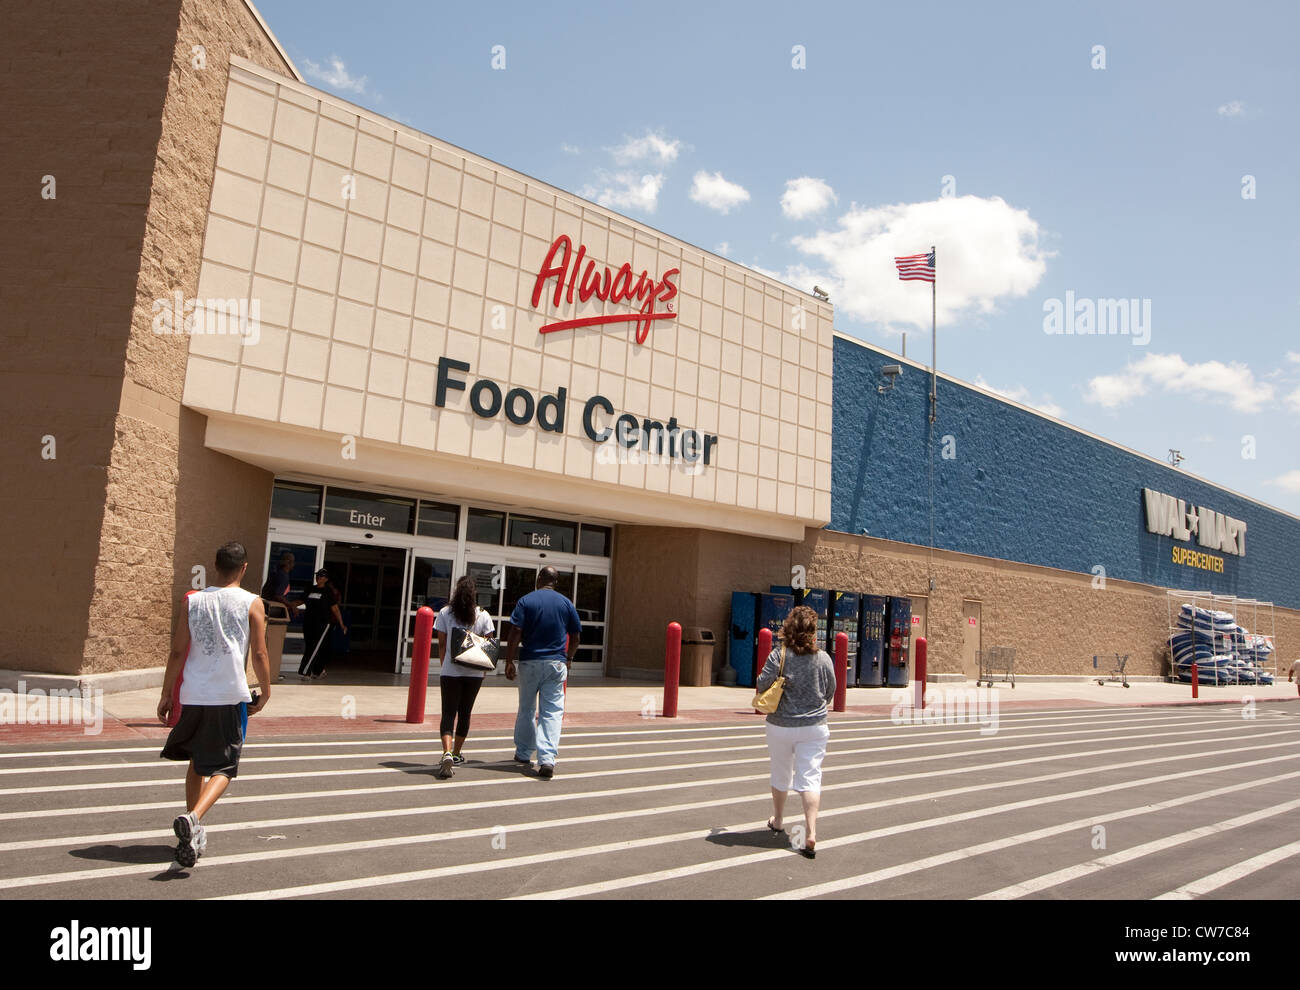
(474,651)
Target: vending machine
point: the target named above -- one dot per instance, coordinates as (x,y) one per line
(898,624)
(844,619)
(772,613)
(742,642)
(871,641)
(819,600)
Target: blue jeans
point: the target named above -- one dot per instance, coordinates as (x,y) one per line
(544,678)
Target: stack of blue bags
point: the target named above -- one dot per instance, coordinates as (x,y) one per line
(1224,652)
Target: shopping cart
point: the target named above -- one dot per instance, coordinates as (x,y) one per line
(1117,672)
(997,662)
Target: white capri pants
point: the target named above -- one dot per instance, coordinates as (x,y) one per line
(797,753)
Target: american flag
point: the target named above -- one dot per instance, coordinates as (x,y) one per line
(916,267)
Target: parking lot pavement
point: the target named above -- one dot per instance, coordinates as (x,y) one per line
(1055,803)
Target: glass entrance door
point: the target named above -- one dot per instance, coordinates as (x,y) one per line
(428,583)
(307,556)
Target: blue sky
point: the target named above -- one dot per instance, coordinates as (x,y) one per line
(1122,182)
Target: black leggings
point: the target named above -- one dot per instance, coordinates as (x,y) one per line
(458,694)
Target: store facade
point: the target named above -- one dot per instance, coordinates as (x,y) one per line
(485,373)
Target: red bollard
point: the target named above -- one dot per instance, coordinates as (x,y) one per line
(672,669)
(175,715)
(841,670)
(922,647)
(1196,681)
(420,651)
(760,658)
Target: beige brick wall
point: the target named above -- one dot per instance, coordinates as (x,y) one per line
(170,502)
(104,98)
(1055,620)
(81,92)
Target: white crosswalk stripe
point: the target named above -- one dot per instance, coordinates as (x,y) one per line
(642,807)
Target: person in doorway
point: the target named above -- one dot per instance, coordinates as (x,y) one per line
(542,618)
(797,731)
(276,588)
(459,685)
(320,617)
(276,591)
(215,630)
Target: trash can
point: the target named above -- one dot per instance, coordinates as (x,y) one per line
(277,624)
(697,657)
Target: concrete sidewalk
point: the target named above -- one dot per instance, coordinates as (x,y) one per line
(298,709)
(290,697)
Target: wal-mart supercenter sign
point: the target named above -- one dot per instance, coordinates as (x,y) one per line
(1175,517)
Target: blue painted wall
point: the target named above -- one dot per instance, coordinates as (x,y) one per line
(1022,488)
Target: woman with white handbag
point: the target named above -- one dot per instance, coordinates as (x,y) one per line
(465,642)
(795,687)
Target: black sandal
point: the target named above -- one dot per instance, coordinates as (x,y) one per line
(773,828)
(809,849)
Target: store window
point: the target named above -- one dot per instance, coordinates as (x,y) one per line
(554,535)
(485,526)
(594,540)
(438,519)
(292,500)
(369,510)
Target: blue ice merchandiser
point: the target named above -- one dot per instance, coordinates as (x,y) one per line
(772,613)
(843,618)
(898,645)
(743,640)
(871,641)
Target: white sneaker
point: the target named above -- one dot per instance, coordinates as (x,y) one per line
(192,840)
(447,766)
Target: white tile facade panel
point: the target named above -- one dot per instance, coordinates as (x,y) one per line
(376,252)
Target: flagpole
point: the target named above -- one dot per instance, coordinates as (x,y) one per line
(934,398)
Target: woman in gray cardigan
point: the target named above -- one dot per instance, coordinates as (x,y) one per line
(797,731)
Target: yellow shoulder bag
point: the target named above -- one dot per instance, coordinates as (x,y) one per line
(766,701)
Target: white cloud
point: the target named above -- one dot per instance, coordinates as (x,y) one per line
(1234,108)
(1018,393)
(335,75)
(806,197)
(1293,401)
(570,149)
(723,248)
(1234,384)
(652,147)
(1293,357)
(987,250)
(626,191)
(1289,481)
(712,190)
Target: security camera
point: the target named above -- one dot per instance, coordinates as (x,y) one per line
(890,371)
(821,293)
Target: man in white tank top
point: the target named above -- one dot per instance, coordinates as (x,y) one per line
(214,633)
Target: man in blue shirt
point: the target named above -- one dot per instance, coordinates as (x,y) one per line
(543,618)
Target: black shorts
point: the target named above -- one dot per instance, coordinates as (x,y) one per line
(211,736)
